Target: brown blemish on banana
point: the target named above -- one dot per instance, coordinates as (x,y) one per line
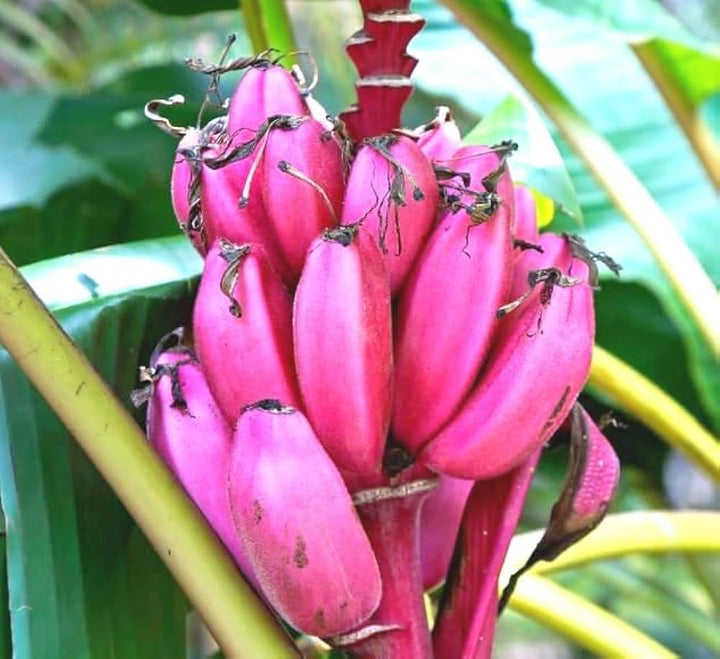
(300,557)
(258,511)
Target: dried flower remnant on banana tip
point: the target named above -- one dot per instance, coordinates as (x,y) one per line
(374,309)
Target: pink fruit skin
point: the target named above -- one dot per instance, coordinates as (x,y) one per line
(195,444)
(180,180)
(446,315)
(226,217)
(526,227)
(248,357)
(262,92)
(343,349)
(439,523)
(299,527)
(296,212)
(441,141)
(535,370)
(367,199)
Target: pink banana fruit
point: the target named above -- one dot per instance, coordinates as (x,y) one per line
(391,190)
(446,313)
(298,524)
(526,228)
(343,347)
(439,523)
(538,363)
(303,165)
(187,156)
(242,326)
(188,431)
(264,90)
(440,138)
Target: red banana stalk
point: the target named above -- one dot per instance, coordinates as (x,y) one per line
(384,68)
(242,326)
(391,518)
(188,431)
(439,522)
(538,363)
(298,524)
(343,347)
(446,312)
(302,188)
(391,190)
(465,624)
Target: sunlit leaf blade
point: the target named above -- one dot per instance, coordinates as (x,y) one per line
(643,19)
(537,162)
(83,582)
(89,156)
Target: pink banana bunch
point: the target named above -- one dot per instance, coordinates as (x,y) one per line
(385,344)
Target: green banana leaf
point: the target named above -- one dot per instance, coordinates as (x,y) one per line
(89,156)
(189,7)
(83,582)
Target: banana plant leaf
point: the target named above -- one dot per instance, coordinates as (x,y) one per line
(82,580)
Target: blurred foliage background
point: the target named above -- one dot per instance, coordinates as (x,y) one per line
(82,169)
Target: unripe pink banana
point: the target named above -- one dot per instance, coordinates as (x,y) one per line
(439,523)
(263,91)
(391,190)
(302,187)
(440,138)
(446,314)
(187,429)
(526,227)
(298,524)
(343,346)
(185,188)
(242,326)
(538,363)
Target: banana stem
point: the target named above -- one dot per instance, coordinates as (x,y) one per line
(693,285)
(113,442)
(587,624)
(393,527)
(647,402)
(696,130)
(268,25)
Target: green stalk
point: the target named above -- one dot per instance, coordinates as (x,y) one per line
(692,284)
(268,25)
(688,118)
(652,594)
(242,626)
(42,38)
(587,624)
(621,534)
(661,413)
